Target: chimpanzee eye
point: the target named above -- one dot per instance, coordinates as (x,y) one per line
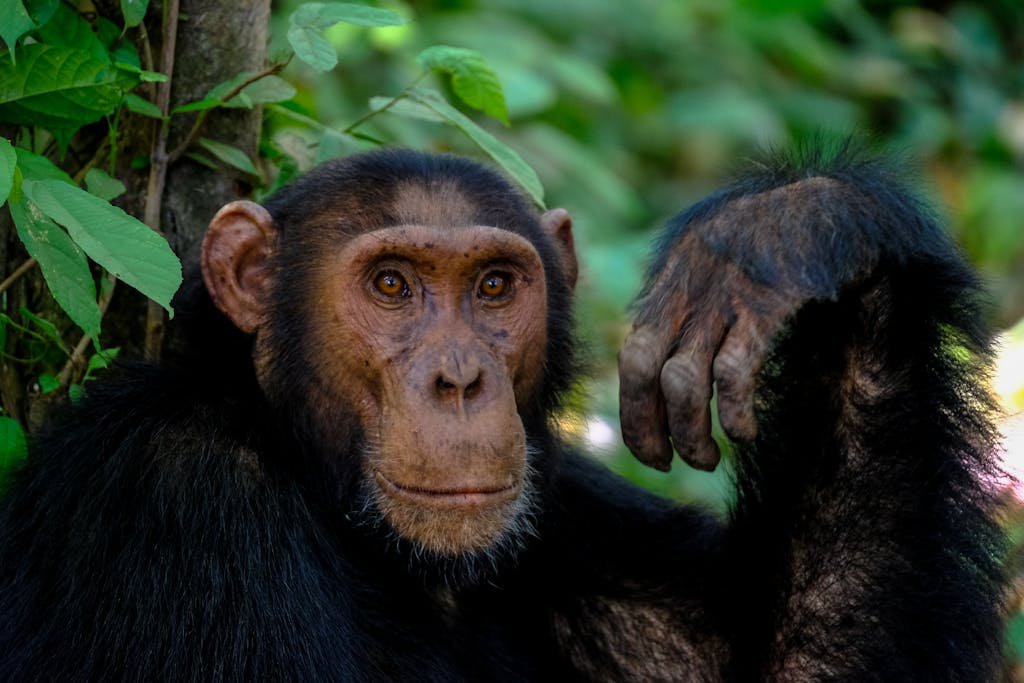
(391,284)
(495,285)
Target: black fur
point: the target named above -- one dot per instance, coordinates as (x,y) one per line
(175,526)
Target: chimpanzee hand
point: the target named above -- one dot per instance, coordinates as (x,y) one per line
(735,269)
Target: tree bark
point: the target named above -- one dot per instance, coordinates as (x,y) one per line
(216,40)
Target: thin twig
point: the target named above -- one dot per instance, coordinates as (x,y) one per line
(89,165)
(394,100)
(77,356)
(158,166)
(200,121)
(18,272)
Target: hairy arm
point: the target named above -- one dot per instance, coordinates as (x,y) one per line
(843,334)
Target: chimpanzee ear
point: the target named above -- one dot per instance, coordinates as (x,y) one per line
(235,257)
(558,224)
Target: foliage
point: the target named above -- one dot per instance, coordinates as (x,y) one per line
(64,71)
(627,110)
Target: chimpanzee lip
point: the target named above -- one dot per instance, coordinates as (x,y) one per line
(468,496)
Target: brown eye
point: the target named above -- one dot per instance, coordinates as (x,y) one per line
(391,284)
(495,285)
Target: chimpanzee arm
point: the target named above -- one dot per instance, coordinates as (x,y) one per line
(842,331)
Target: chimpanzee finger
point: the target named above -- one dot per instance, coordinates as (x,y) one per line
(641,407)
(736,366)
(686,385)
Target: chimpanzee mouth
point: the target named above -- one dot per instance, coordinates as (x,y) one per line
(457,497)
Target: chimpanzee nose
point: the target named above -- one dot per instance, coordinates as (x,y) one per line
(459,379)
(458,386)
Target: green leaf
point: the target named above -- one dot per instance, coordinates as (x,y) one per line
(198,105)
(16,19)
(59,88)
(102,185)
(232,156)
(142,106)
(332,145)
(14,23)
(131,67)
(121,244)
(152,77)
(64,265)
(305,31)
(101,360)
(68,29)
(36,167)
(311,47)
(506,157)
(8,162)
(134,11)
(107,32)
(48,383)
(202,159)
(13,445)
(473,80)
(126,55)
(45,327)
(264,91)
(404,107)
(41,11)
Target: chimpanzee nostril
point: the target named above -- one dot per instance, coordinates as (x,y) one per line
(450,387)
(473,388)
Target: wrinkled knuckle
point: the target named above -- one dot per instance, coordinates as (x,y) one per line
(680,378)
(731,365)
(639,358)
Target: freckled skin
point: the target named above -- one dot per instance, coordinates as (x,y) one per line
(410,362)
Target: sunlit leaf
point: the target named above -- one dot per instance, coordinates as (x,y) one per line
(473,80)
(232,156)
(64,265)
(506,157)
(8,162)
(307,23)
(121,244)
(101,184)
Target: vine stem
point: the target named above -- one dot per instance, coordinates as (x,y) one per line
(18,272)
(158,165)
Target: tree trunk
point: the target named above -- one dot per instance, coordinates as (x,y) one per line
(216,40)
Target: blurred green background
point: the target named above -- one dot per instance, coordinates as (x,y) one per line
(631,110)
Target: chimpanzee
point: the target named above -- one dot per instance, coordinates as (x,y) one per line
(351,472)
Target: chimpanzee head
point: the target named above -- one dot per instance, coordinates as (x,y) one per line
(411,316)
